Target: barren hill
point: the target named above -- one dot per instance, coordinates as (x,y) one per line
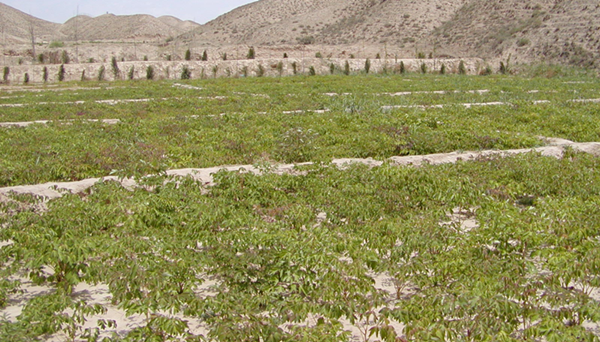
(113,27)
(541,30)
(15,26)
(553,30)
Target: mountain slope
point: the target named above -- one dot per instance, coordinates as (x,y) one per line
(15,26)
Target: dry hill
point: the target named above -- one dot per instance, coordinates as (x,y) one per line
(114,27)
(553,30)
(15,26)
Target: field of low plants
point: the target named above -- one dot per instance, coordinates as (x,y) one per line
(500,248)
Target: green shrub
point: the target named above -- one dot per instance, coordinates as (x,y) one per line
(204,56)
(131,73)
(347,68)
(421,55)
(312,71)
(145,58)
(295,68)
(186,74)
(280,68)
(378,56)
(318,55)
(45,74)
(41,58)
(56,44)
(245,71)
(188,55)
(331,68)
(83,77)
(522,42)
(503,69)
(367,66)
(26,78)
(150,72)
(115,67)
(423,68)
(285,55)
(65,57)
(101,73)
(6,74)
(462,70)
(260,71)
(61,73)
(251,53)
(402,67)
(443,69)
(224,56)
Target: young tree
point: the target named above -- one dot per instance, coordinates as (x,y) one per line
(188,55)
(205,55)
(251,53)
(462,70)
(61,73)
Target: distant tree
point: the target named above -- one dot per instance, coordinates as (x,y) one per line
(367,66)
(115,67)
(443,69)
(295,68)
(402,67)
(260,71)
(41,58)
(6,74)
(347,68)
(224,56)
(131,73)
(502,68)
(205,55)
(280,68)
(83,77)
(101,73)
(186,74)
(45,74)
(285,55)
(318,55)
(462,70)
(65,57)
(188,55)
(26,78)
(423,68)
(332,68)
(312,71)
(61,73)
(378,56)
(251,53)
(150,72)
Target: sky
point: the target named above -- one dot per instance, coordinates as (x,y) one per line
(59,11)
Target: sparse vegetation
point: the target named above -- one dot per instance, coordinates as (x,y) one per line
(186,74)
(131,73)
(65,59)
(101,72)
(56,44)
(318,55)
(462,70)
(260,71)
(115,68)
(61,73)
(251,53)
(523,42)
(150,72)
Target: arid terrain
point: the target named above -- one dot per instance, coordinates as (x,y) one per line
(550,31)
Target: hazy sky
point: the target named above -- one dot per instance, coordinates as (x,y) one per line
(59,11)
